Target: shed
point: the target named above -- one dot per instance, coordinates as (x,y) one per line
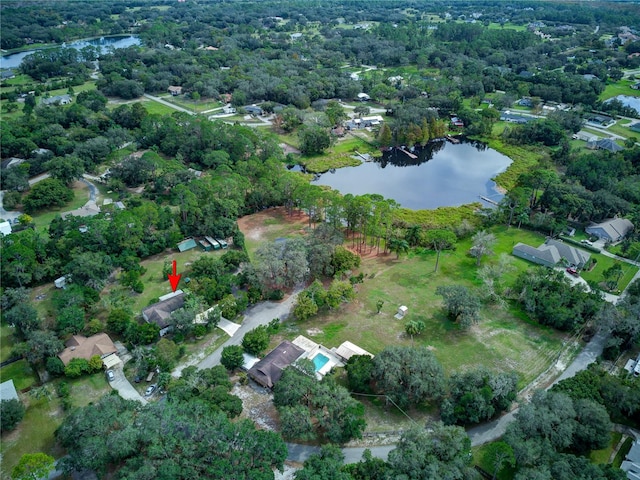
(213,242)
(223,243)
(402,311)
(187,244)
(346,350)
(174,90)
(60,282)
(8,391)
(206,246)
(363,97)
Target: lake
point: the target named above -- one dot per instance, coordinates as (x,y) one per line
(444,174)
(14,60)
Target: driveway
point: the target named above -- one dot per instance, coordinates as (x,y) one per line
(12,216)
(124,388)
(260,314)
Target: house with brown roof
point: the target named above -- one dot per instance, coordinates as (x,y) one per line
(160,312)
(175,90)
(80,346)
(268,371)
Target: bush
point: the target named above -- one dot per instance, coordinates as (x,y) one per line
(276,295)
(11,413)
(232,357)
(76,368)
(55,366)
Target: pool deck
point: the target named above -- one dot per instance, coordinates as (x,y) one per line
(312,348)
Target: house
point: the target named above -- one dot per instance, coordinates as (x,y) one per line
(635,127)
(11,162)
(346,350)
(599,120)
(296,36)
(268,371)
(363,97)
(7,74)
(631,463)
(636,86)
(160,312)
(187,244)
(57,100)
(514,118)
(525,102)
(253,110)
(611,230)
(8,391)
(456,122)
(89,209)
(552,252)
(586,136)
(5,228)
(175,90)
(371,121)
(80,346)
(228,109)
(606,144)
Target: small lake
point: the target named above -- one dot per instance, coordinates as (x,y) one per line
(444,174)
(105,43)
(628,101)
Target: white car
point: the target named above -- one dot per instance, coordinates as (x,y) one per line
(110,375)
(587,242)
(150,389)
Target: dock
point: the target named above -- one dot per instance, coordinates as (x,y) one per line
(408,153)
(488,200)
(453,139)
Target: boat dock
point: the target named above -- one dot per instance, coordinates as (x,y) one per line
(408,153)
(488,200)
(453,139)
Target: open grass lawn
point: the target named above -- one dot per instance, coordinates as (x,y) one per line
(43,218)
(157,108)
(602,456)
(20,372)
(604,263)
(503,340)
(621,87)
(199,106)
(36,431)
(41,297)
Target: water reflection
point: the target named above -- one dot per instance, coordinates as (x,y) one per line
(441,174)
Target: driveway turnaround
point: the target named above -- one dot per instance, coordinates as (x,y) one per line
(124,388)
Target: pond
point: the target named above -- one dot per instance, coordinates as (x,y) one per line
(628,101)
(442,174)
(14,60)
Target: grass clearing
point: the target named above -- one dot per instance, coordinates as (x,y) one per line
(604,263)
(621,87)
(602,456)
(154,284)
(157,108)
(21,373)
(6,342)
(504,339)
(80,197)
(270,224)
(479,459)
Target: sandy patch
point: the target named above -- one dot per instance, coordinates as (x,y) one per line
(257,405)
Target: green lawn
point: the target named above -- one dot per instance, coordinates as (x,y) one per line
(602,456)
(621,87)
(157,108)
(503,340)
(6,342)
(43,218)
(43,416)
(595,275)
(154,284)
(20,372)
(478,453)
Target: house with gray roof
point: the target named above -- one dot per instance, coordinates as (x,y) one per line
(611,230)
(8,391)
(607,144)
(552,252)
(57,100)
(160,312)
(631,464)
(268,371)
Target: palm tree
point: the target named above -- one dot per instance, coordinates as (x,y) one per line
(398,245)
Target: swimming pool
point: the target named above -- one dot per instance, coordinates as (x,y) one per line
(320,361)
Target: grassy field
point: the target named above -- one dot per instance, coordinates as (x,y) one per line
(621,87)
(157,108)
(43,416)
(504,339)
(478,453)
(80,197)
(6,342)
(21,373)
(604,263)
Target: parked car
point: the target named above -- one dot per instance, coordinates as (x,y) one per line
(110,375)
(586,242)
(150,389)
(572,271)
(137,379)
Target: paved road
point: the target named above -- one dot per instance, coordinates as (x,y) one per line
(260,314)
(168,104)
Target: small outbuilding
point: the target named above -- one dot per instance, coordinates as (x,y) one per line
(8,391)
(5,228)
(187,244)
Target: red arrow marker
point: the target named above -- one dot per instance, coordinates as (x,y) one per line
(174,279)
